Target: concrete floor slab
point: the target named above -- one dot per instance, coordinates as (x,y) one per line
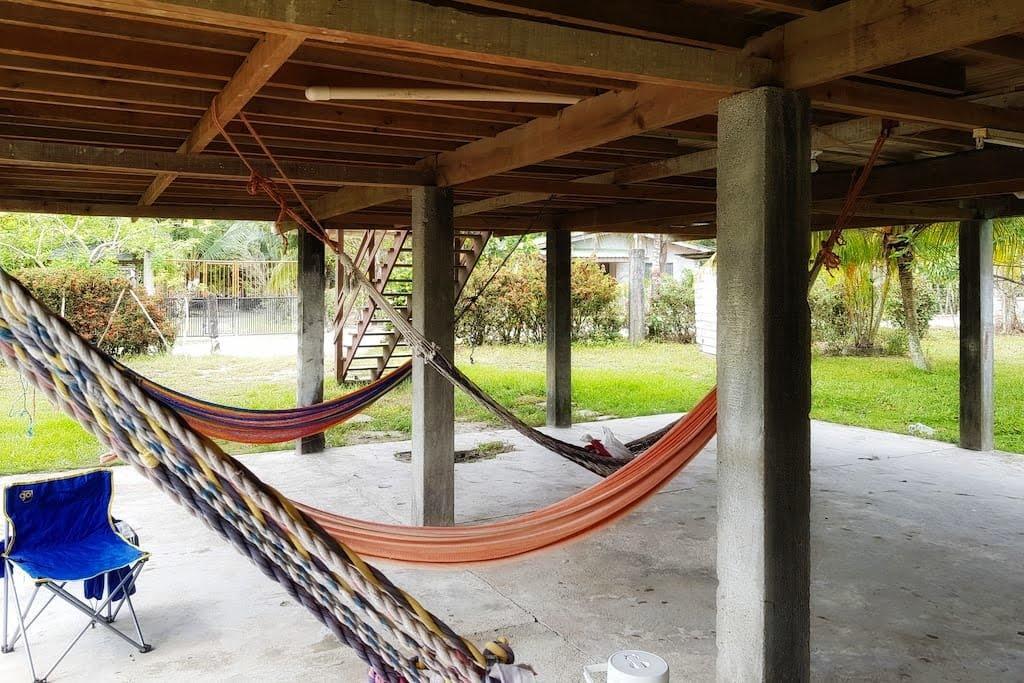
(916,569)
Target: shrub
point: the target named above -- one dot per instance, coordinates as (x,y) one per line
(596,312)
(894,342)
(512,310)
(830,322)
(927,306)
(89,297)
(672,315)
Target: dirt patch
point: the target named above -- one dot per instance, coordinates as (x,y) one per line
(487,450)
(370,436)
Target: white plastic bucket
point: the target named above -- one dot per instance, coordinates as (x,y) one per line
(630,666)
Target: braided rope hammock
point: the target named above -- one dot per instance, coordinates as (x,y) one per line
(386,627)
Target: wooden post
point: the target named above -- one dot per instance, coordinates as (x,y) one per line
(311,284)
(637,318)
(976,336)
(559,328)
(433,397)
(339,322)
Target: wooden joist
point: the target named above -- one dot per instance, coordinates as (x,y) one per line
(839,135)
(866,99)
(73,208)
(593,121)
(861,35)
(924,213)
(448,31)
(968,173)
(266,58)
(121,160)
(675,22)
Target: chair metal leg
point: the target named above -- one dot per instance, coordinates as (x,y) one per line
(96,616)
(6,647)
(102,613)
(28,608)
(28,648)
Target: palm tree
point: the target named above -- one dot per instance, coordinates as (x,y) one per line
(862,278)
(909,244)
(898,247)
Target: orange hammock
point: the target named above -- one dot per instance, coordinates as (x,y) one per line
(567,520)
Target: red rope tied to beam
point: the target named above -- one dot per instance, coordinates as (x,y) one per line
(259,183)
(827,255)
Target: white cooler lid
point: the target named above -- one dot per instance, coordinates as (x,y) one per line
(637,666)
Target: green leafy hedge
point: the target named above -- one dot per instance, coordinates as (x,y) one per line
(672,315)
(512,309)
(87,298)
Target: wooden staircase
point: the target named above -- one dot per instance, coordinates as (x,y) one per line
(385,256)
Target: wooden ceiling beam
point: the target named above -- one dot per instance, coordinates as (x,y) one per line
(928,178)
(592,122)
(800,7)
(17,205)
(822,137)
(853,97)
(1004,47)
(592,190)
(259,66)
(925,213)
(861,35)
(54,155)
(641,214)
(454,32)
(689,25)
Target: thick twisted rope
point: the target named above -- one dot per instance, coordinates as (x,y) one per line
(369,611)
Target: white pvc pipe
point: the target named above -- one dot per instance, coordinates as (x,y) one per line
(323,93)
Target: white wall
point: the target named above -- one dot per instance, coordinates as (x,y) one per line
(705,291)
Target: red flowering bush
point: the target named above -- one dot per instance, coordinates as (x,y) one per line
(87,299)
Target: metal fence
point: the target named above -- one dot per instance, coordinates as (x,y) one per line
(221,316)
(238,279)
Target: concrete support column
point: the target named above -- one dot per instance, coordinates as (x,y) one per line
(637,319)
(312,280)
(559,327)
(433,397)
(976,332)
(764,387)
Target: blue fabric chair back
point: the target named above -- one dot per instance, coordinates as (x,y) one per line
(59,511)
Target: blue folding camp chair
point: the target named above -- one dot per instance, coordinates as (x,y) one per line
(58,531)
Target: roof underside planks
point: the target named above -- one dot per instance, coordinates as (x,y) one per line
(113,107)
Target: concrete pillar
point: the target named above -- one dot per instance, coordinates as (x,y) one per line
(312,280)
(976,331)
(559,327)
(637,319)
(764,387)
(433,397)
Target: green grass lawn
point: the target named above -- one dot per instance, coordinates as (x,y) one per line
(614,379)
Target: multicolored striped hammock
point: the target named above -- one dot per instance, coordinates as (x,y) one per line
(245,425)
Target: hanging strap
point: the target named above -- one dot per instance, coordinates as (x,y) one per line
(826,255)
